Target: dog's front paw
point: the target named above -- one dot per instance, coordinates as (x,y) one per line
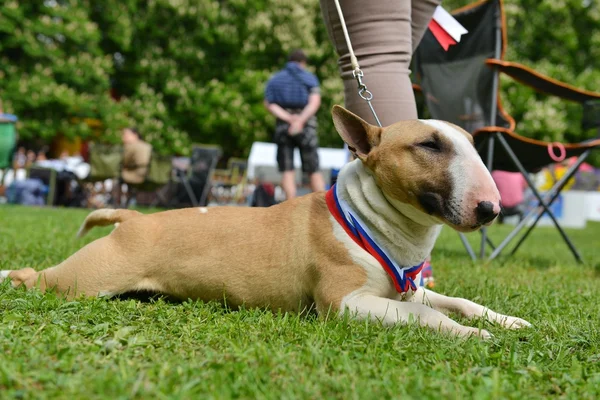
(513,322)
(468,331)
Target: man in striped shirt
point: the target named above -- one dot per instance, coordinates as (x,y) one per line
(293,96)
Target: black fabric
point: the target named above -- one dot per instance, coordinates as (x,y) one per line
(454,92)
(480,22)
(591,115)
(457,83)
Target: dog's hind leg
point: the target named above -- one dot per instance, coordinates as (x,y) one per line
(101,268)
(465,307)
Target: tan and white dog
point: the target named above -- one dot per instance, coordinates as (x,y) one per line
(408,180)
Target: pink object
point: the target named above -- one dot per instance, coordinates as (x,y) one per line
(584,167)
(511,186)
(561,149)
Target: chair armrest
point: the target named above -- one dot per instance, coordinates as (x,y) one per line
(542,83)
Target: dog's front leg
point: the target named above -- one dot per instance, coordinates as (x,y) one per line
(465,307)
(390,312)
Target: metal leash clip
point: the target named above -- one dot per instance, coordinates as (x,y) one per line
(363,92)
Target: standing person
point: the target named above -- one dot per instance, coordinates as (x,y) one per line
(384,35)
(293,96)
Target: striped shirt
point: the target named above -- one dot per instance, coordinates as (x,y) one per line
(290,87)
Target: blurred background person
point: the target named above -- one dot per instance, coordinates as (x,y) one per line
(293,96)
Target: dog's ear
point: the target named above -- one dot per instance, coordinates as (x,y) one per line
(359,135)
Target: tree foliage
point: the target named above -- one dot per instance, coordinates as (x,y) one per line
(184,71)
(194,70)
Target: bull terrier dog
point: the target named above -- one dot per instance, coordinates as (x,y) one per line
(358,247)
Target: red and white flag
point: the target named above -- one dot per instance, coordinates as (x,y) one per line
(445,28)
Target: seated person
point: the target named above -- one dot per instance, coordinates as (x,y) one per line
(136,157)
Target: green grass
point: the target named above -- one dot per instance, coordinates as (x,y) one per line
(118,349)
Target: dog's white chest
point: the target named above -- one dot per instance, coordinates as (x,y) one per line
(377,278)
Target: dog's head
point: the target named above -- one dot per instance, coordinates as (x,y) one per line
(427,169)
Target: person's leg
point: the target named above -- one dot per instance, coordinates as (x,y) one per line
(422,12)
(383,35)
(285,159)
(308,144)
(317,183)
(380,32)
(288,184)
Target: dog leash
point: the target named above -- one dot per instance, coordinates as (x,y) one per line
(358,74)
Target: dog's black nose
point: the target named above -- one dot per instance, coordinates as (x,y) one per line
(485,212)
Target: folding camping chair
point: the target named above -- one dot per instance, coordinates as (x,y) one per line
(105,161)
(198,178)
(462,86)
(158,176)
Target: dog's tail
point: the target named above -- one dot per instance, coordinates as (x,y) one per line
(105,217)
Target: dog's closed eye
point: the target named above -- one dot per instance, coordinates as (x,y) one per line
(430,144)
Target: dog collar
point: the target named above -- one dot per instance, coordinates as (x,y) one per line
(403,277)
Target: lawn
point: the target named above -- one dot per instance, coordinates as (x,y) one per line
(93,348)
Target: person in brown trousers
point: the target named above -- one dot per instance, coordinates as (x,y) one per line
(384,35)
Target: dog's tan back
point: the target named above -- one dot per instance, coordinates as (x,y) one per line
(241,254)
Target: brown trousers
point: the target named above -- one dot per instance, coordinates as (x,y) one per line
(384,34)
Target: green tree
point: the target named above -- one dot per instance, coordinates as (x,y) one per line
(200,66)
(52,67)
(194,70)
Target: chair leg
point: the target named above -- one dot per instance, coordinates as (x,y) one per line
(552,195)
(209,178)
(541,202)
(489,164)
(51,188)
(467,245)
(188,189)
(159,199)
